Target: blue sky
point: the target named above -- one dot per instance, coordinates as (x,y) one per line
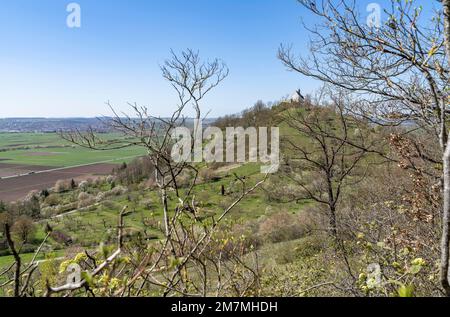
(49,70)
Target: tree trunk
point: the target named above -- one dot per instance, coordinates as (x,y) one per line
(333,222)
(166,212)
(445,242)
(446,4)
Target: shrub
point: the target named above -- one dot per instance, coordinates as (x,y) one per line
(88,201)
(282,226)
(110,179)
(44,193)
(52,200)
(83,186)
(204,199)
(5,218)
(279,191)
(185,179)
(310,246)
(98,182)
(31,205)
(100,197)
(2,206)
(118,190)
(206,175)
(62,186)
(85,200)
(147,203)
(150,183)
(61,237)
(24,229)
(108,204)
(67,207)
(133,173)
(84,196)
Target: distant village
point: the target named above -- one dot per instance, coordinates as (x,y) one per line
(45,125)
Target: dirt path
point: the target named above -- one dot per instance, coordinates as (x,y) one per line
(228,168)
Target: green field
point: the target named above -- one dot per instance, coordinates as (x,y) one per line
(48,149)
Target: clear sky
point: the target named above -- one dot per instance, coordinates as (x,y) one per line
(50,70)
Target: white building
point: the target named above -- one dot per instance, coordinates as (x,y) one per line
(297,97)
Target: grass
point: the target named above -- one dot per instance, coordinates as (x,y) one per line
(16,140)
(6,261)
(64,157)
(18,148)
(99,224)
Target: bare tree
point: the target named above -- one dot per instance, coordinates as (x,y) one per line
(325,154)
(399,70)
(186,235)
(330,146)
(22,275)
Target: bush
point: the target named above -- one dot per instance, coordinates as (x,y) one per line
(207,175)
(278,191)
(100,197)
(83,186)
(185,179)
(108,204)
(84,196)
(147,203)
(61,237)
(62,186)
(85,200)
(147,184)
(310,246)
(24,229)
(282,226)
(5,218)
(118,190)
(136,171)
(98,182)
(67,207)
(110,179)
(53,200)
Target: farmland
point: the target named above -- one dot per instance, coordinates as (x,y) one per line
(14,188)
(48,149)
(35,161)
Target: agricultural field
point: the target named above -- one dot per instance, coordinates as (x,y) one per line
(48,149)
(35,161)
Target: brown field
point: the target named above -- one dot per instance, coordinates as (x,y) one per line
(7,169)
(12,189)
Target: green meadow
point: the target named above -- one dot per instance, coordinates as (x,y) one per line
(48,149)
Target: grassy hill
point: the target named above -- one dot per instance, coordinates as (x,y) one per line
(281,230)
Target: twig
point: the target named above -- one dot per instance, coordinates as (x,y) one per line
(100,268)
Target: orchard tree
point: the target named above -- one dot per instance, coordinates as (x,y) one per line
(24,229)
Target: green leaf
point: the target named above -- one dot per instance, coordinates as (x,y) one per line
(406,291)
(415,269)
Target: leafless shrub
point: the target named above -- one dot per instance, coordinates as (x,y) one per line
(283,226)
(62,186)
